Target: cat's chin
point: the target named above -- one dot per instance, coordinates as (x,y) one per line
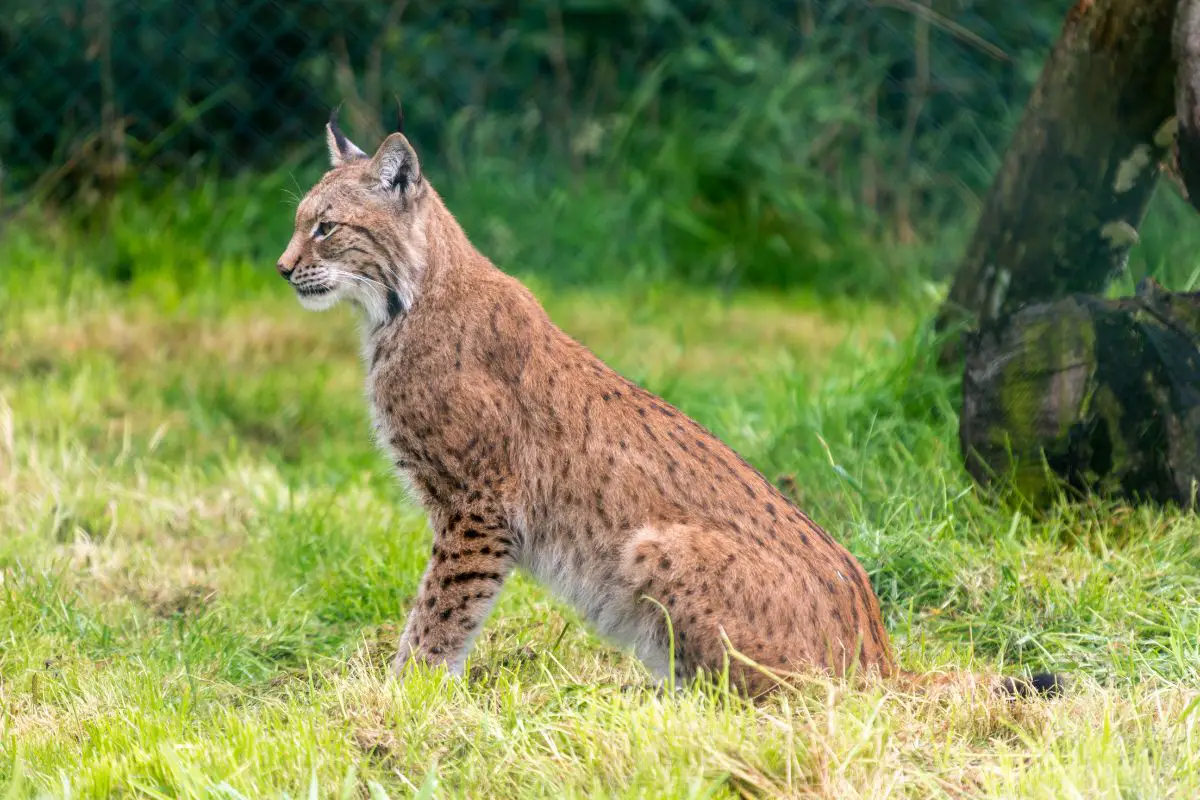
(318,299)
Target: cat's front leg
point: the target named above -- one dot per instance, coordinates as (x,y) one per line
(473,554)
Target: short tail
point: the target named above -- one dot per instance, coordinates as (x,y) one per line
(1040,684)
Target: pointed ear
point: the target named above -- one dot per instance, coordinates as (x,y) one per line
(396,165)
(341,149)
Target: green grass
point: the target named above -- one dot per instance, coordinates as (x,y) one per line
(204,563)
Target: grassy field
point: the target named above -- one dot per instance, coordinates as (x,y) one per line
(204,565)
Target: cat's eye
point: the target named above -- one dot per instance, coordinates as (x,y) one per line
(323,229)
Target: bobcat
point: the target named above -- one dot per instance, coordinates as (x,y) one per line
(526,450)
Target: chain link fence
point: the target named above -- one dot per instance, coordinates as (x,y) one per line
(93,91)
(92,88)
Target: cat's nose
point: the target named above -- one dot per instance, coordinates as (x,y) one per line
(284,270)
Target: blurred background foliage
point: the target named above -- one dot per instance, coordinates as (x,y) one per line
(840,145)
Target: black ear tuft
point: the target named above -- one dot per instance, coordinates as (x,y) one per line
(399,115)
(341,149)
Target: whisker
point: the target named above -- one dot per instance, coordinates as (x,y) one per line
(355,277)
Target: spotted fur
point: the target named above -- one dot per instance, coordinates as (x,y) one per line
(527,451)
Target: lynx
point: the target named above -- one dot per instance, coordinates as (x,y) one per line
(528,451)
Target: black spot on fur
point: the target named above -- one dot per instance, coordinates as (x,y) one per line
(874,628)
(467,577)
(599,497)
(379,353)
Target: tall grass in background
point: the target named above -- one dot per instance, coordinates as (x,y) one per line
(830,159)
(776,181)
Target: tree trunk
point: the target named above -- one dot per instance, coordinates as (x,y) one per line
(1065,206)
(1185,45)
(1103,395)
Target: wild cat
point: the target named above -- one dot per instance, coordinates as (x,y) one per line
(528,451)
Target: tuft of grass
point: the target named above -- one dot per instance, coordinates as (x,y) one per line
(204,564)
